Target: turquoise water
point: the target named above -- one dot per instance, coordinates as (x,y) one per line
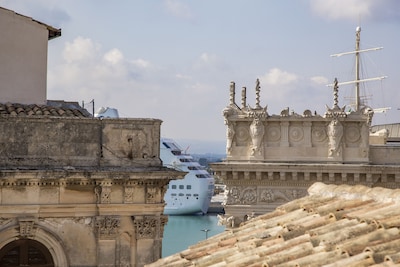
(184,231)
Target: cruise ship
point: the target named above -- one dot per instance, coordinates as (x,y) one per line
(193,193)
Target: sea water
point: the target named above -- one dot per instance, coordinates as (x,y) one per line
(184,231)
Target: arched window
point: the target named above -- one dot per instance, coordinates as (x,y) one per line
(25,252)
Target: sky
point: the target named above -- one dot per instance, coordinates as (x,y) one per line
(174,59)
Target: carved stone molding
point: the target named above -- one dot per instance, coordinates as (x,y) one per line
(4,221)
(107,226)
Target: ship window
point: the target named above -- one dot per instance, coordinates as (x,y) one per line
(192,168)
(174,149)
(186,160)
(174,186)
(188,195)
(203,175)
(189,186)
(181,194)
(181,186)
(196,195)
(173,194)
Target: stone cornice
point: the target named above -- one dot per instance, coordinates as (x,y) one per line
(11,178)
(80,210)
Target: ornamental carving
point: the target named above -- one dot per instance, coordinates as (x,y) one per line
(128,195)
(296,134)
(319,134)
(335,134)
(249,196)
(269,195)
(146,227)
(237,195)
(151,195)
(257,134)
(232,195)
(107,226)
(273,133)
(106,195)
(242,134)
(352,134)
(230,134)
(27,228)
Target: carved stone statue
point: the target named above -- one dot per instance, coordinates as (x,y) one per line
(230,133)
(335,134)
(257,133)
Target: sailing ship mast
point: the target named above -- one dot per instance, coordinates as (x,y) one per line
(357,80)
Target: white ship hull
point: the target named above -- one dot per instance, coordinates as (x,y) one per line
(193,193)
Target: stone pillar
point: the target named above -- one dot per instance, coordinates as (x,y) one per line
(307,133)
(284,134)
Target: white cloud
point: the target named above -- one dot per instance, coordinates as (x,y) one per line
(80,50)
(178,9)
(141,63)
(278,77)
(114,56)
(343,9)
(319,80)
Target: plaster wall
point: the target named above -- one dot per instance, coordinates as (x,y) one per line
(23,57)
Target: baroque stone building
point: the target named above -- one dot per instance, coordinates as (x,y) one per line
(74,190)
(273,159)
(79,191)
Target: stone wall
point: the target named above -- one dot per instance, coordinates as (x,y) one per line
(55,141)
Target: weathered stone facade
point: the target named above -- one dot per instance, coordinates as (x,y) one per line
(89,190)
(273,159)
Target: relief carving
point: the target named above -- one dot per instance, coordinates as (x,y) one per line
(235,195)
(249,196)
(274,195)
(146,227)
(257,133)
(335,134)
(151,194)
(230,134)
(27,228)
(105,195)
(128,196)
(107,226)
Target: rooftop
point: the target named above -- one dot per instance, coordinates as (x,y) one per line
(53,32)
(335,225)
(53,109)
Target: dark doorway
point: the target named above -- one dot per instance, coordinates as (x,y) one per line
(25,252)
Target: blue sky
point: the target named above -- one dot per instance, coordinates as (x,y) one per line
(174,59)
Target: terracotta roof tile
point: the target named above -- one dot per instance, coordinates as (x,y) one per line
(22,110)
(333,226)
